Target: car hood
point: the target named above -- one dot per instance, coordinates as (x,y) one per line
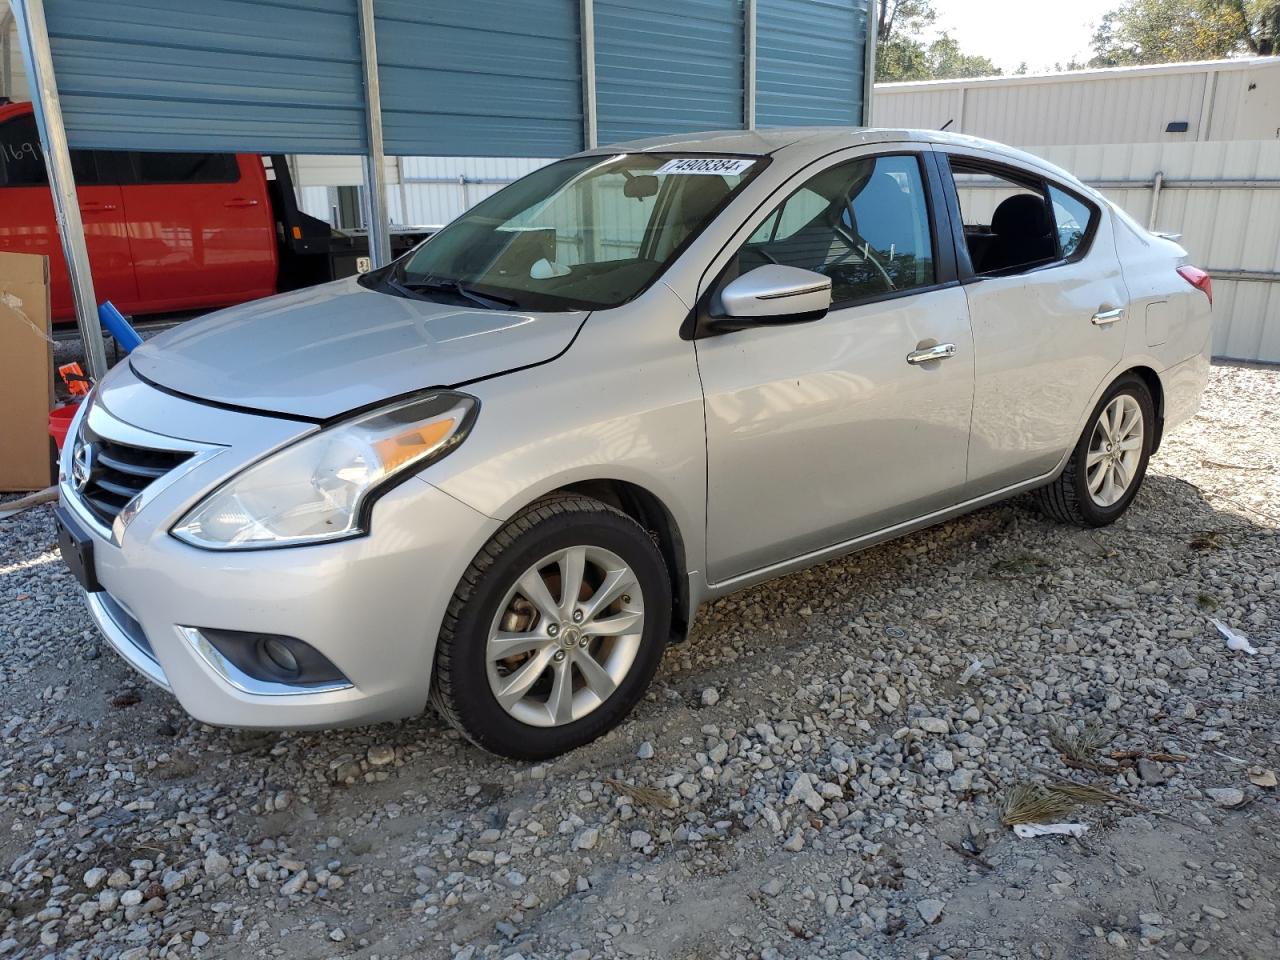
(323,351)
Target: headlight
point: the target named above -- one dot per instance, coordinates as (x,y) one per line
(316,489)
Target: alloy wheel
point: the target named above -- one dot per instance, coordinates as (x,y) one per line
(1115,450)
(565,636)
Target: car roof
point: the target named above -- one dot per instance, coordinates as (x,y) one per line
(811,143)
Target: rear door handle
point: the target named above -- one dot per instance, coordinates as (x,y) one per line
(1104,317)
(241,202)
(92,207)
(940,351)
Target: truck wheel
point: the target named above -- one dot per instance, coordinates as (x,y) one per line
(555,630)
(1109,462)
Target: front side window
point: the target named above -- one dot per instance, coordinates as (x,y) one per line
(583,233)
(863,223)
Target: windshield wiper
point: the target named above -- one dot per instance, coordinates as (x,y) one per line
(488,301)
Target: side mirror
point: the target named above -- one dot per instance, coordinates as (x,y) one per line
(775,294)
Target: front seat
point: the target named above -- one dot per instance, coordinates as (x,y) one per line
(1023,234)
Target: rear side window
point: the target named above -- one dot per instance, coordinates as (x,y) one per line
(864,224)
(22,163)
(1007,223)
(186,167)
(1074,220)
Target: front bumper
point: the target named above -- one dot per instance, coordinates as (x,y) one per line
(372,605)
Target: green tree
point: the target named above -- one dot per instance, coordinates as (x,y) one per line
(1169,31)
(904,53)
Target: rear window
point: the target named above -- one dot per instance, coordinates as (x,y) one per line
(186,167)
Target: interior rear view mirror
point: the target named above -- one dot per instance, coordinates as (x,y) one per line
(640,187)
(777,293)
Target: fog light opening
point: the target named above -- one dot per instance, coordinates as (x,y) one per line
(266,663)
(280,656)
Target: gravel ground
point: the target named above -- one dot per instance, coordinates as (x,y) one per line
(800,782)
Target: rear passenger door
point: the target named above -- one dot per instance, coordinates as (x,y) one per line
(200,228)
(1047,301)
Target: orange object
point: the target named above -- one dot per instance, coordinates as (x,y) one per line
(60,421)
(72,375)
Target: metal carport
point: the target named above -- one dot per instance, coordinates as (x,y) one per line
(404,77)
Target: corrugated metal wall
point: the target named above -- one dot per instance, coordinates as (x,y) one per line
(1228,100)
(809,58)
(275,75)
(499,77)
(665,66)
(479,76)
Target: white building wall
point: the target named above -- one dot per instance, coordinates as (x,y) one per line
(1218,100)
(422,191)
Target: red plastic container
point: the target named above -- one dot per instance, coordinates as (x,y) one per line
(60,420)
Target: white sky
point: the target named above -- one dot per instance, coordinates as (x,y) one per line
(1041,32)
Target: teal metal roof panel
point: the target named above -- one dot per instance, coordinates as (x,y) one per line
(480,77)
(810,58)
(468,77)
(264,76)
(668,66)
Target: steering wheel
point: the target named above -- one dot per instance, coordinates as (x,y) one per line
(847,236)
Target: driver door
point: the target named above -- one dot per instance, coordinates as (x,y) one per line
(822,432)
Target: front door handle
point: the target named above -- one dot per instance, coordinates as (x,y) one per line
(93,206)
(1104,317)
(241,202)
(940,351)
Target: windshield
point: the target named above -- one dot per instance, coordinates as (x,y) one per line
(583,233)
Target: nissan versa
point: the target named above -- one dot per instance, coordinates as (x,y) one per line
(501,473)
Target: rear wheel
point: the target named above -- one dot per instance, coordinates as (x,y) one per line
(555,630)
(1109,462)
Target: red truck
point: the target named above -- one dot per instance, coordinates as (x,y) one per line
(170,232)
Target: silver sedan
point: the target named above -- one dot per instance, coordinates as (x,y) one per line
(503,472)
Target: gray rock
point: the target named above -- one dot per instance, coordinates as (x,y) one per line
(930,910)
(1225,796)
(294,884)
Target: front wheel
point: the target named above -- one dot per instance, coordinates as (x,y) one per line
(555,630)
(1109,462)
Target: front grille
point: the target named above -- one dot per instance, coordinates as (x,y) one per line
(117,472)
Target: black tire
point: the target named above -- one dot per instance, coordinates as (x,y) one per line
(460,686)
(1067,498)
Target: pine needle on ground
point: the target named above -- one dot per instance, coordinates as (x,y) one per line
(645,796)
(1081,747)
(1037,803)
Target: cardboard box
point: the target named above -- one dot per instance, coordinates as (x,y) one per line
(27,459)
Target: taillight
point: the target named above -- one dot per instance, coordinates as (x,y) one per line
(1199,279)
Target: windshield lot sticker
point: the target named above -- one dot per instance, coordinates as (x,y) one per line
(716,166)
